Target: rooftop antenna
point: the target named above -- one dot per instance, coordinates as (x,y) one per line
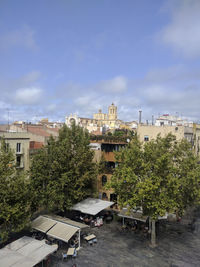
(8,118)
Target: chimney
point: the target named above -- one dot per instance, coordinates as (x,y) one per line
(140,116)
(152,120)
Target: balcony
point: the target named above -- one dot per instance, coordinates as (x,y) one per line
(20,151)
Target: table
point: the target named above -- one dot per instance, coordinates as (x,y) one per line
(70,251)
(89,237)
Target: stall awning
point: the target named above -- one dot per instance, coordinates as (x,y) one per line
(25,252)
(132,214)
(67,221)
(92,206)
(43,224)
(62,231)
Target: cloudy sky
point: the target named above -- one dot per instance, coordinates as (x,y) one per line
(59,57)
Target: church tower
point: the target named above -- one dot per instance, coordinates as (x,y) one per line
(112,112)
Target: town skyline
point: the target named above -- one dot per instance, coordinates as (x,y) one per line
(74,57)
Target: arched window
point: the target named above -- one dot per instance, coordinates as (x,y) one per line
(104,180)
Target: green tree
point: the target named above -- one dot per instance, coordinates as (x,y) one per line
(14,195)
(160,176)
(63,172)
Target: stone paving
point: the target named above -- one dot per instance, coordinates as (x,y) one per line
(178,246)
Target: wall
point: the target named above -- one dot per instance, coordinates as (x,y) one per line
(24,138)
(152,131)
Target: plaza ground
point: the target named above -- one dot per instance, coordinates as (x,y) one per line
(178,246)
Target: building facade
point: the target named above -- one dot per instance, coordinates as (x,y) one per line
(105,151)
(190,133)
(19,144)
(101,122)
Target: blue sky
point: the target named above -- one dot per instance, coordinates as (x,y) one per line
(59,57)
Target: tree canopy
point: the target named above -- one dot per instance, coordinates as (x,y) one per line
(160,176)
(163,175)
(14,195)
(63,172)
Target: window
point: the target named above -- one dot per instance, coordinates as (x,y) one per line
(146,138)
(18,161)
(104,180)
(18,149)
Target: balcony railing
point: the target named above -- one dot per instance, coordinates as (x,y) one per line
(20,152)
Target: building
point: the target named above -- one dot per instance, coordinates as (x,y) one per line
(104,150)
(38,132)
(101,122)
(170,120)
(19,144)
(25,139)
(191,133)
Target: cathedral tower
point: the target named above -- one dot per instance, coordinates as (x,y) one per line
(112,112)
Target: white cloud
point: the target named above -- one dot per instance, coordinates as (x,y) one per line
(115,85)
(28,96)
(23,37)
(183,31)
(163,92)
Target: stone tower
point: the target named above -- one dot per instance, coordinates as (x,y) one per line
(112,112)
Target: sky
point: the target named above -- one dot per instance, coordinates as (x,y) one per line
(62,57)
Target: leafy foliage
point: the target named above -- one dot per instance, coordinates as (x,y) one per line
(14,195)
(117,136)
(63,172)
(161,176)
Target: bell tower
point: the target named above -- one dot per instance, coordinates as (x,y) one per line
(112,112)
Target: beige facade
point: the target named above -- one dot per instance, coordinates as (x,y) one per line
(110,120)
(19,144)
(191,133)
(100,116)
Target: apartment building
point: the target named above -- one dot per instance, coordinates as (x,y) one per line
(105,150)
(191,133)
(19,144)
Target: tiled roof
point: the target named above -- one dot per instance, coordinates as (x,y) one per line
(38,131)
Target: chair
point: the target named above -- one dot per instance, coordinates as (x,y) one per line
(64,256)
(94,240)
(75,253)
(90,242)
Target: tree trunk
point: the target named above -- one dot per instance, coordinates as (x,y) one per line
(153,233)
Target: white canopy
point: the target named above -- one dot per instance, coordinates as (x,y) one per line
(92,206)
(62,231)
(43,224)
(67,221)
(25,252)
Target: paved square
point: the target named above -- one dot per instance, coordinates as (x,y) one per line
(177,247)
